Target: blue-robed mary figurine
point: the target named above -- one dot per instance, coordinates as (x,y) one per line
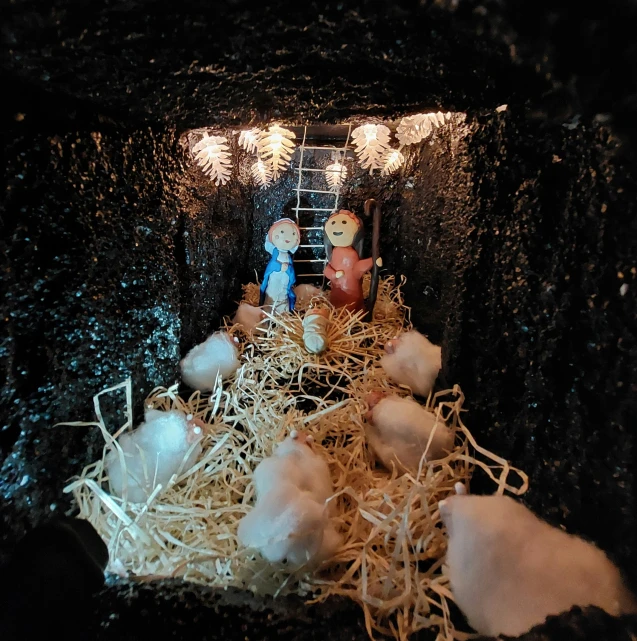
(277,288)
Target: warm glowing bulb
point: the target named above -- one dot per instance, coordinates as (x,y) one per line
(335,174)
(392,161)
(371,143)
(249,140)
(276,148)
(261,173)
(212,154)
(370,132)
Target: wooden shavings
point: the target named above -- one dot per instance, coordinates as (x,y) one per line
(391,560)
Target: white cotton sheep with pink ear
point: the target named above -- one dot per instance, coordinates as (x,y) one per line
(291,519)
(165,444)
(250,318)
(509,570)
(218,354)
(400,431)
(412,360)
(305,293)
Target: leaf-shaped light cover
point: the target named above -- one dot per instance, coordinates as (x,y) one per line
(335,175)
(413,129)
(249,140)
(275,149)
(261,173)
(371,142)
(392,161)
(212,154)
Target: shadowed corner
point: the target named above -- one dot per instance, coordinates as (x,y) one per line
(50,581)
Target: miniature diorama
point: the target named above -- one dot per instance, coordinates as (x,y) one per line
(318,321)
(311,447)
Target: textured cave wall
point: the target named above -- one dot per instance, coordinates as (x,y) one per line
(213,243)
(113,264)
(89,297)
(521,254)
(168,609)
(187,65)
(513,244)
(544,344)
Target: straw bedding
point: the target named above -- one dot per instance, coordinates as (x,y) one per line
(391,561)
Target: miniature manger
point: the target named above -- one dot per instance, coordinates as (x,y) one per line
(391,558)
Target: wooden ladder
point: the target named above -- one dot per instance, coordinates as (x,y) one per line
(324,194)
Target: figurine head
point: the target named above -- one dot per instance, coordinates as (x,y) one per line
(285,235)
(343,229)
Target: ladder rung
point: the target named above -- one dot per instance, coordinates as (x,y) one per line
(314,275)
(311,209)
(301,246)
(316,191)
(310,260)
(310,228)
(328,148)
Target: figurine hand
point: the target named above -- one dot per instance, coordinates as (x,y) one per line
(379,261)
(339,273)
(284,267)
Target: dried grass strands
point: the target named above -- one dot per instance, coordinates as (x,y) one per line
(393,546)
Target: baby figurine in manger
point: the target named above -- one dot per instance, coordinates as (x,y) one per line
(345,268)
(277,288)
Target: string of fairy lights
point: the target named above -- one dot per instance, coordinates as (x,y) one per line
(272,148)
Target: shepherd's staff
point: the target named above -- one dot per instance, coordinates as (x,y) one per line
(373,288)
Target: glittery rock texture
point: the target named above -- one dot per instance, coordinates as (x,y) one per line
(516,230)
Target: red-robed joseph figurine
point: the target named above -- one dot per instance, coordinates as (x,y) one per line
(345,268)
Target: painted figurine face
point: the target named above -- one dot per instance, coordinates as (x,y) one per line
(341,228)
(284,236)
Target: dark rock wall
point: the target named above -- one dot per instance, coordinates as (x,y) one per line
(188,65)
(170,609)
(521,256)
(90,296)
(117,257)
(212,245)
(544,343)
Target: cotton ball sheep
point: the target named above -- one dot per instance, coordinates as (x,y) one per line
(295,461)
(218,354)
(291,518)
(412,360)
(163,445)
(305,293)
(400,431)
(249,318)
(509,570)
